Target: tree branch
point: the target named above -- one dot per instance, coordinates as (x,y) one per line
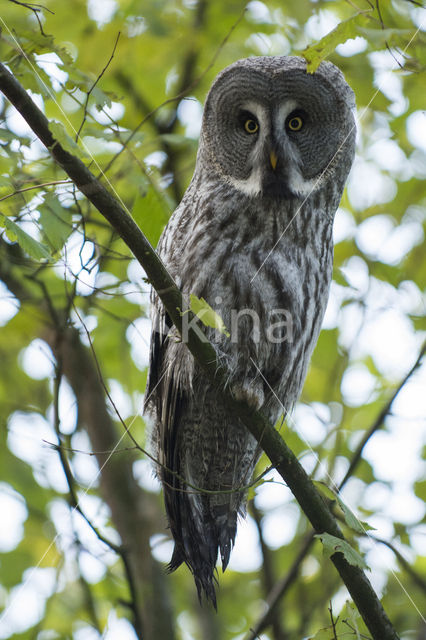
(129,505)
(416,577)
(377,424)
(282,586)
(279,590)
(268,579)
(274,446)
(131,508)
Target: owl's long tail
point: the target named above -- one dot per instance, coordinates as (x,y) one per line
(207,460)
(200,530)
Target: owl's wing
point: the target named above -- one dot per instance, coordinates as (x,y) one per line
(161,325)
(165,393)
(166,399)
(160,328)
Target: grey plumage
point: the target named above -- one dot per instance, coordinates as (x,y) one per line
(253,236)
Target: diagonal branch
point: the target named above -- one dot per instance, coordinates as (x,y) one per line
(378,423)
(282,586)
(86,103)
(272,443)
(416,577)
(279,590)
(268,579)
(132,511)
(129,506)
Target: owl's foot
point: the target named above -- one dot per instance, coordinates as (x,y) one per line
(250,392)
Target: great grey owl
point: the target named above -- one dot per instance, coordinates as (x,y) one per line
(253,237)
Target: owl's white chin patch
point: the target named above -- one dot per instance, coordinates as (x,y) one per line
(299,186)
(253,185)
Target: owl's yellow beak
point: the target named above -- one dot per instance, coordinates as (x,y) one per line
(273,159)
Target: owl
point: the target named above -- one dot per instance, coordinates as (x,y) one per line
(253,237)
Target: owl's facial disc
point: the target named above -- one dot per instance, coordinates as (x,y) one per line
(273,162)
(272,129)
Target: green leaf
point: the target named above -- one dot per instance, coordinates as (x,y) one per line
(207,315)
(325,489)
(339,632)
(420,489)
(58,131)
(55,221)
(340,278)
(352,617)
(151,213)
(31,246)
(316,53)
(101,99)
(334,545)
(178,141)
(351,520)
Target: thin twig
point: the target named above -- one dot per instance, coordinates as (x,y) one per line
(377,424)
(180,95)
(417,578)
(418,4)
(86,104)
(281,587)
(35,8)
(333,623)
(36,186)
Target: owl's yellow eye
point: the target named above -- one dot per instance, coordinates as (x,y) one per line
(295,123)
(251,126)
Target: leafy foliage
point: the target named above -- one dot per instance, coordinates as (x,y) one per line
(207,315)
(334,545)
(63,269)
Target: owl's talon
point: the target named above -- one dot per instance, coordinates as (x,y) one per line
(252,394)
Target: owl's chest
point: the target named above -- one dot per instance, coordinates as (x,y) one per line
(255,272)
(275,282)
(250,266)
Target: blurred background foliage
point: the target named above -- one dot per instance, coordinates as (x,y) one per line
(74,310)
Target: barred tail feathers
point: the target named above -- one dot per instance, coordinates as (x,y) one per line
(199,534)
(199,447)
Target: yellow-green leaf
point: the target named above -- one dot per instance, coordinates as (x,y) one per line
(318,52)
(334,545)
(58,131)
(31,246)
(351,520)
(56,222)
(207,315)
(151,213)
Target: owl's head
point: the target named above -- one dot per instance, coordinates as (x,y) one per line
(271,128)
